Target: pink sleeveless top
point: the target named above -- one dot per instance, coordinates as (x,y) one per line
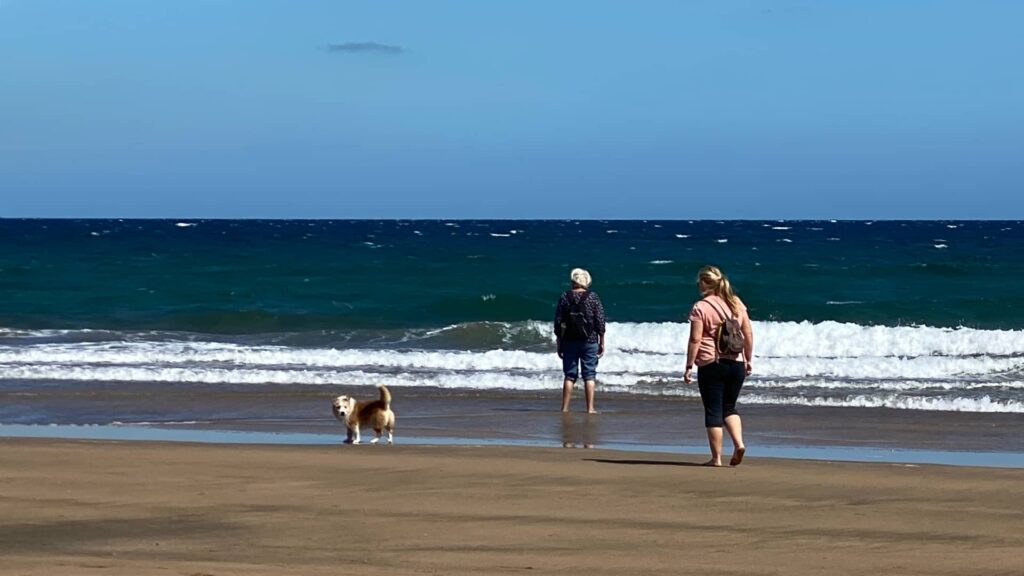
(708,311)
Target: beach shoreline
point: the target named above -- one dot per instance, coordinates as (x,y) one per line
(103,507)
(292,414)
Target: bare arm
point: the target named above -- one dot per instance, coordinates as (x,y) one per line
(748,343)
(696,333)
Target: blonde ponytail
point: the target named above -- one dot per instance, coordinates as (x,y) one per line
(710,279)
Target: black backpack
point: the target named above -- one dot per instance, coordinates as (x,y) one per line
(729,336)
(574,319)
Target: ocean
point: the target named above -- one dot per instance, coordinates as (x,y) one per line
(252,323)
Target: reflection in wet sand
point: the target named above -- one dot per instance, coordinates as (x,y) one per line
(579,430)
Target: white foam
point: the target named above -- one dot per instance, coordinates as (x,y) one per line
(660,262)
(620,359)
(832,339)
(801,360)
(895,401)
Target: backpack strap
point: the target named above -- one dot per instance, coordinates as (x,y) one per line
(584,298)
(717,309)
(570,302)
(720,324)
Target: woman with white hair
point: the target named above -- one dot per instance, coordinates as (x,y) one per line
(579,333)
(721,346)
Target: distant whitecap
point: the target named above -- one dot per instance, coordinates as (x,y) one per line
(941,246)
(185,224)
(722,240)
(682,235)
(488,297)
(612,231)
(786,240)
(660,262)
(782,227)
(499,235)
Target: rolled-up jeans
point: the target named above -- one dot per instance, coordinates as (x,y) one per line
(579,356)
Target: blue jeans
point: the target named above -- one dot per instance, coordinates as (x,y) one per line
(577,354)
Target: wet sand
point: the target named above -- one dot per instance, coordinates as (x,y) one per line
(626,420)
(76,507)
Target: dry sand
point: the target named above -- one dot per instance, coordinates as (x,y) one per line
(76,507)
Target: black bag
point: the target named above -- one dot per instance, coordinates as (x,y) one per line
(729,336)
(574,319)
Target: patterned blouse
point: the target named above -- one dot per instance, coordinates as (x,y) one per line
(593,311)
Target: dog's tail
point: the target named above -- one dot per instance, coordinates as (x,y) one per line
(385,395)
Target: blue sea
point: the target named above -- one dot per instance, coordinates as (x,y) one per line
(97,317)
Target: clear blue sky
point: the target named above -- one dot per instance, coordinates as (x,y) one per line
(520,109)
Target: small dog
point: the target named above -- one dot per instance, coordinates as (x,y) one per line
(376,413)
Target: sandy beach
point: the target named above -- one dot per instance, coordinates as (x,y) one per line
(80,507)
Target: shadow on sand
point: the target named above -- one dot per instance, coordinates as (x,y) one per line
(642,462)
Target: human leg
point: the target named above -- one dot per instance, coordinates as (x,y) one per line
(734,376)
(735,428)
(588,368)
(571,369)
(710,384)
(567,393)
(715,444)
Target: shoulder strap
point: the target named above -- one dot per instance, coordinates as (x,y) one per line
(717,309)
(572,302)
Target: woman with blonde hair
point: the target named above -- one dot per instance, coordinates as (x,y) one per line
(721,345)
(579,334)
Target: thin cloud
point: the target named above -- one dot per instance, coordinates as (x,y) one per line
(364,48)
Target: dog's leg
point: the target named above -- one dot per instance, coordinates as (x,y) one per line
(355,431)
(391,436)
(348,436)
(376,437)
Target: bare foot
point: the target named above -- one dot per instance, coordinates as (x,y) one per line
(591,411)
(737,456)
(714,463)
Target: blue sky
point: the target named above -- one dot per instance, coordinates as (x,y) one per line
(525,109)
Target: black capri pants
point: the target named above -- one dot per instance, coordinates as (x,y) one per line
(720,384)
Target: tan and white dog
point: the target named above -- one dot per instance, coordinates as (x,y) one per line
(376,413)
